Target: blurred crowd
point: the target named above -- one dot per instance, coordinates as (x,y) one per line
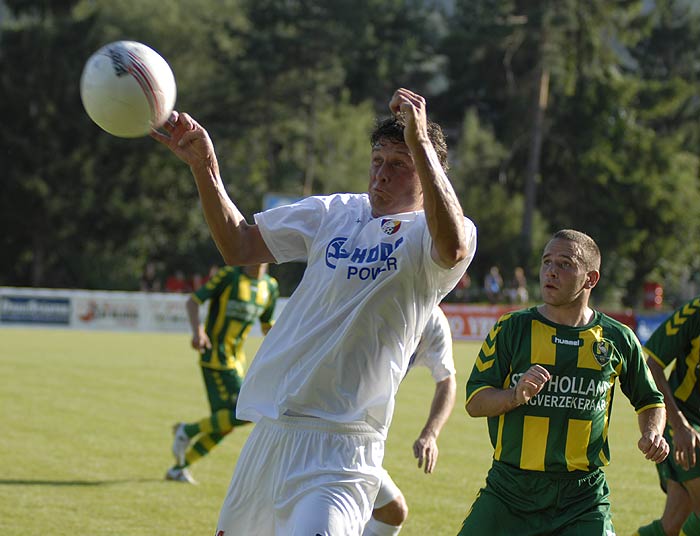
(494,290)
(153,281)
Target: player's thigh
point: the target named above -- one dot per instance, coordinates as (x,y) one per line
(248,505)
(593,524)
(222,388)
(326,511)
(677,508)
(692,486)
(491,515)
(388,491)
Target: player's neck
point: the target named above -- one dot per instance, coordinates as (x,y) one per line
(574,315)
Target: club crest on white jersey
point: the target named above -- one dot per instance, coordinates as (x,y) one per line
(390,226)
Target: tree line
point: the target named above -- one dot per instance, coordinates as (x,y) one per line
(559,113)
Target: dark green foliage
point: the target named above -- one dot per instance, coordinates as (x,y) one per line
(289,91)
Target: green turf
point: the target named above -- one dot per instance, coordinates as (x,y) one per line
(85,442)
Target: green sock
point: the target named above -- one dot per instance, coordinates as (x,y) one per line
(652,529)
(691,527)
(192,430)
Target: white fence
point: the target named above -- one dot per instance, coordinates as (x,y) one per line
(99,310)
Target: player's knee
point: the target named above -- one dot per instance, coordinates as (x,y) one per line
(393,513)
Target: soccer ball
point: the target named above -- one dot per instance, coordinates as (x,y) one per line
(127,88)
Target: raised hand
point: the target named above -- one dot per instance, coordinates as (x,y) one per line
(412,109)
(188,140)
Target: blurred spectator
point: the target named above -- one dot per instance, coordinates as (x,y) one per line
(177,283)
(149,279)
(493,285)
(212,272)
(197,281)
(517,287)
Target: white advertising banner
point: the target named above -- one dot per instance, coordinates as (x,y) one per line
(100,310)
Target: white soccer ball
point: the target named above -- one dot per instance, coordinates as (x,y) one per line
(128,89)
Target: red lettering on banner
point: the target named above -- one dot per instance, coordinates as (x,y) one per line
(474,322)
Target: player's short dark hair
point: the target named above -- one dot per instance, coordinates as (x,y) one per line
(589,249)
(392,129)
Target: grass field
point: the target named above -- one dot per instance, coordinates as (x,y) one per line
(85,442)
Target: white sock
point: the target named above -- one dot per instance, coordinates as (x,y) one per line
(377,528)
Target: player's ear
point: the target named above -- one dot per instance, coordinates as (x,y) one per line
(592,279)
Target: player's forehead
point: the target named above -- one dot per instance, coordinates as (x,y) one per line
(560,248)
(385,146)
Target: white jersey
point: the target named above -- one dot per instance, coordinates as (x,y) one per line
(341,346)
(434,350)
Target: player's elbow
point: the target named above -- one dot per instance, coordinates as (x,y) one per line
(479,405)
(473,409)
(450,255)
(231,258)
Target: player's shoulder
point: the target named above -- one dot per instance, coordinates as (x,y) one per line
(608,322)
(228,272)
(691,308)
(518,316)
(614,328)
(682,322)
(222,274)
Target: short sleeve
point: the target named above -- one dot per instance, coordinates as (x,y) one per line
(446,279)
(492,365)
(289,230)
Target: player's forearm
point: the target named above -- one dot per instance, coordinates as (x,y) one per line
(441,407)
(674,415)
(442,209)
(226,223)
(192,308)
(492,402)
(652,421)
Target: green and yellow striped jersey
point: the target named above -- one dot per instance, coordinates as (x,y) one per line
(236,302)
(678,338)
(565,427)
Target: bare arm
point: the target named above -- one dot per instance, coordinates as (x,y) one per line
(685,438)
(200,339)
(442,209)
(652,443)
(238,242)
(425,447)
(493,402)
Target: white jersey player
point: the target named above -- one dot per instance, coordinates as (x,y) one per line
(434,352)
(321,388)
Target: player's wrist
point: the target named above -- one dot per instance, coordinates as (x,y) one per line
(514,398)
(428,433)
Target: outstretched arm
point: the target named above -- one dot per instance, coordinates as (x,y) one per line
(238,242)
(425,447)
(442,209)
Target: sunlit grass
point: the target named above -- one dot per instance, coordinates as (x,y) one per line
(85,442)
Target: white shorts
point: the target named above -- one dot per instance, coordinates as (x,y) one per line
(302,476)
(387,492)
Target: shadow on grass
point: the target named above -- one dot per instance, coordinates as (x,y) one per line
(21,482)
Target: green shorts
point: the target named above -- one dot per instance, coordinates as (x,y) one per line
(222,387)
(670,470)
(529,503)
